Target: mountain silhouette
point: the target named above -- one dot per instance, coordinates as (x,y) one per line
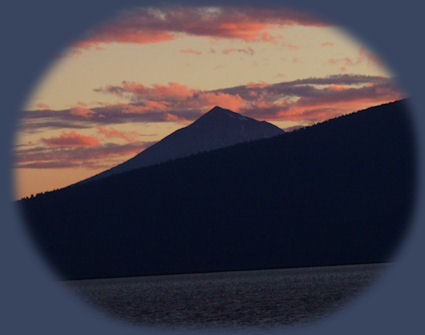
(215,129)
(339,192)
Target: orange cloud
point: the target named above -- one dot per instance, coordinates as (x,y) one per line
(191,51)
(114,133)
(368,57)
(334,87)
(291,46)
(82,111)
(248,50)
(91,157)
(362,58)
(154,25)
(267,37)
(208,100)
(319,112)
(327,44)
(173,90)
(71,139)
(42,106)
(108,35)
(141,109)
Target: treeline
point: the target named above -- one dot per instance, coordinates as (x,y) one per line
(339,192)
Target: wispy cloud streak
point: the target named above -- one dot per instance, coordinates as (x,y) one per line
(93,157)
(71,139)
(154,25)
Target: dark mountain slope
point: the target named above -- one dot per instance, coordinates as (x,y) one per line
(339,192)
(216,129)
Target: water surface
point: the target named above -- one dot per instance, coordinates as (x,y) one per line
(265,298)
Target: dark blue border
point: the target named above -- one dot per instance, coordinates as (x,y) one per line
(32,34)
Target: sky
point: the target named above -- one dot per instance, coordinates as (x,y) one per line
(147,72)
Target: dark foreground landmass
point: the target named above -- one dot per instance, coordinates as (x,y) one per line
(263,299)
(339,192)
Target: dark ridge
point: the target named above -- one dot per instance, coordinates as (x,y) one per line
(339,192)
(215,129)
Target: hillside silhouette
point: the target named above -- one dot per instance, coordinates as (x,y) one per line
(215,129)
(339,192)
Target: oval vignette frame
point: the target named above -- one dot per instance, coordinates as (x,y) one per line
(391,305)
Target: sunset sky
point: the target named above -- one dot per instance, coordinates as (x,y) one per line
(149,71)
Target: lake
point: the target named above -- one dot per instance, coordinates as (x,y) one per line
(265,299)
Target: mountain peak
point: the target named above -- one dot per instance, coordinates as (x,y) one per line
(217,128)
(218,113)
(218,109)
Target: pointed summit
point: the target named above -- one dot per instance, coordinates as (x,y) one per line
(220,115)
(218,109)
(216,129)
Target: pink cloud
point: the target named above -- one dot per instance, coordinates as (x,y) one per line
(210,99)
(291,46)
(94,157)
(82,111)
(159,106)
(327,44)
(267,37)
(368,57)
(256,85)
(154,25)
(71,139)
(319,112)
(47,165)
(110,34)
(172,96)
(42,106)
(173,91)
(191,51)
(248,50)
(336,87)
(363,57)
(114,133)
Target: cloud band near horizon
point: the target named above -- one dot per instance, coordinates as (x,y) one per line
(298,100)
(305,101)
(67,156)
